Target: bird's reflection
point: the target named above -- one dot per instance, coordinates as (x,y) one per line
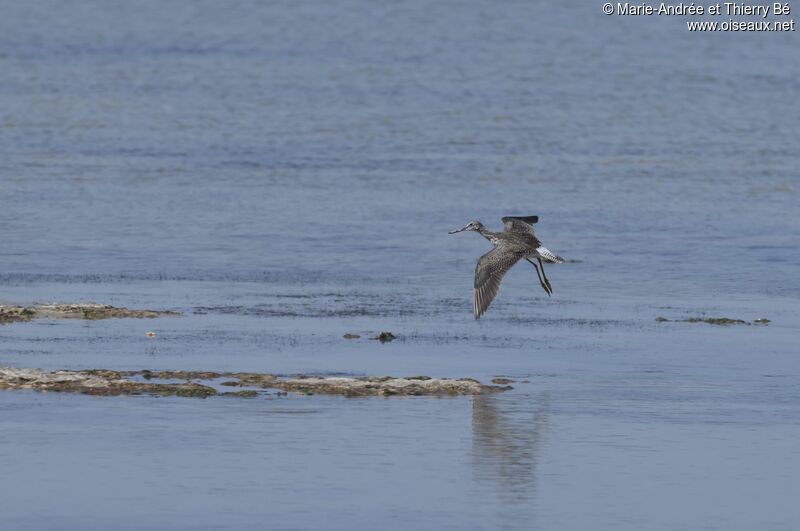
(507,433)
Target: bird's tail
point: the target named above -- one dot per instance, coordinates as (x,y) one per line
(549,256)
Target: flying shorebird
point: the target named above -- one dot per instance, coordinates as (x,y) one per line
(517,241)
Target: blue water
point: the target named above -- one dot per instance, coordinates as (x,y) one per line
(282,173)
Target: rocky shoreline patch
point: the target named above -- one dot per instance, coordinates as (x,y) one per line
(91,311)
(203,384)
(721,321)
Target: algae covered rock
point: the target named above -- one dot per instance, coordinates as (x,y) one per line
(199,384)
(88,311)
(384,337)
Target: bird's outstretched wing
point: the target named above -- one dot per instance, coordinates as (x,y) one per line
(520,223)
(488,274)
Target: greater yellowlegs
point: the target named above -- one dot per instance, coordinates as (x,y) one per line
(515,242)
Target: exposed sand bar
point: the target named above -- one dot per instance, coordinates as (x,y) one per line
(13,313)
(197,384)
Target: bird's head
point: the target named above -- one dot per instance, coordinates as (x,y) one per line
(473,225)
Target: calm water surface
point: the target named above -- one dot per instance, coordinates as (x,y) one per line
(283,173)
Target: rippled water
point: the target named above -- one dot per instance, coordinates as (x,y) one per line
(283,173)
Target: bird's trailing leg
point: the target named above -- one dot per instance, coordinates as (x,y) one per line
(545,286)
(549,287)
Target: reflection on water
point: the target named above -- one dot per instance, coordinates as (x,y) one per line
(506,441)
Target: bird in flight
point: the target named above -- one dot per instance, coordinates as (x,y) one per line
(515,242)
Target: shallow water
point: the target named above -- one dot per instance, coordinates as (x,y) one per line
(285,173)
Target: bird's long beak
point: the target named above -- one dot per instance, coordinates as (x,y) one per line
(459,230)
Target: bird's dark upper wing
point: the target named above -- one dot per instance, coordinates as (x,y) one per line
(488,274)
(520,223)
